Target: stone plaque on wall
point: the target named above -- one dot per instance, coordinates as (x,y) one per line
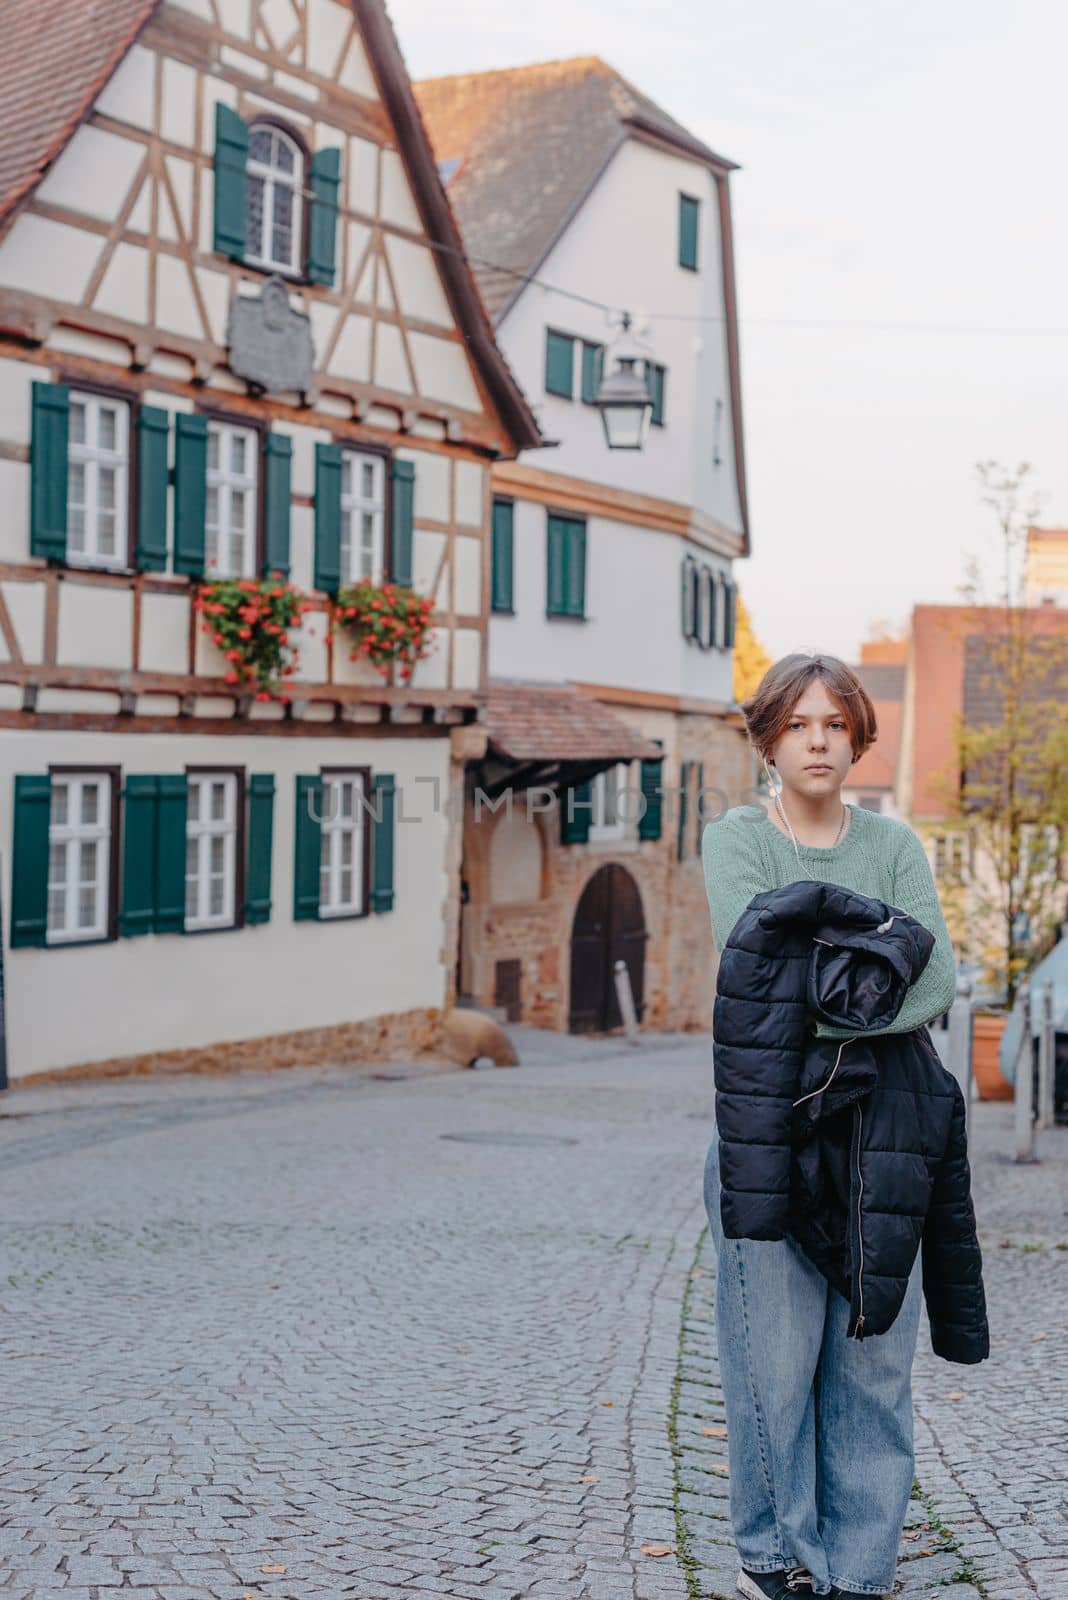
(270,343)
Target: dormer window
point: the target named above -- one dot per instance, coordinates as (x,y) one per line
(273,224)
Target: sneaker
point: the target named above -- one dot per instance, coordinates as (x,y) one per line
(782,1584)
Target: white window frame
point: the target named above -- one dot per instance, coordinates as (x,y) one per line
(91,457)
(355,506)
(274,178)
(336,827)
(69,838)
(200,831)
(600,829)
(225,482)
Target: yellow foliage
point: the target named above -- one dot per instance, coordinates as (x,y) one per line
(751,660)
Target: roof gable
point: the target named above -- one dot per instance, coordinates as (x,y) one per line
(59,59)
(529,143)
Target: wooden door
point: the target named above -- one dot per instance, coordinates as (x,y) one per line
(608,926)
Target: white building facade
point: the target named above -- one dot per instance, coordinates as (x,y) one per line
(613,571)
(228,352)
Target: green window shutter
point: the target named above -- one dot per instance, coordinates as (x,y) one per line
(566,567)
(328,517)
(325,181)
(731,595)
(259,838)
(556,567)
(698,805)
(48,471)
(153,427)
(402,486)
(650,823)
(576,828)
(190,491)
(171,813)
(689,216)
(139,816)
(684,797)
(502,556)
(711,630)
(592,370)
(308,848)
(29,860)
(153,853)
(559,363)
(231,182)
(655,376)
(278,497)
(383,840)
(576,569)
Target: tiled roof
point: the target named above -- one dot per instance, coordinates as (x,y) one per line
(57,57)
(531,142)
(557,722)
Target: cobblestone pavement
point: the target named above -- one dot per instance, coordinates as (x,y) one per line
(412,1333)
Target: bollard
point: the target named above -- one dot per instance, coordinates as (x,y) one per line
(1024,1122)
(625,996)
(1046,1050)
(958,1051)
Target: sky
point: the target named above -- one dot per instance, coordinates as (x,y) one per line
(901,244)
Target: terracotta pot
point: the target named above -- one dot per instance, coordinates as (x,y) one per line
(987,1028)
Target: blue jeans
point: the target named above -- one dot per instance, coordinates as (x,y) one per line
(819,1427)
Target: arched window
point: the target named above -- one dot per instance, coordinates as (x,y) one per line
(273,224)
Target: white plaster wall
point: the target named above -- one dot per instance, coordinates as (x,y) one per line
(26,608)
(95,626)
(15,499)
(16,378)
(48,258)
(467,559)
(129,95)
(164,632)
(632,634)
(74,180)
(161,992)
(622,249)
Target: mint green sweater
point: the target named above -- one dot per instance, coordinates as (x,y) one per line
(744,853)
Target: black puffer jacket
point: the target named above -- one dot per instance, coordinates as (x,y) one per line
(856,1148)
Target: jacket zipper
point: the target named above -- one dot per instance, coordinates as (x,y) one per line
(860,1228)
(813,1092)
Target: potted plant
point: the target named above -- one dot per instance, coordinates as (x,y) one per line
(249,620)
(387,623)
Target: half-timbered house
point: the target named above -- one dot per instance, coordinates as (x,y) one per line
(238,341)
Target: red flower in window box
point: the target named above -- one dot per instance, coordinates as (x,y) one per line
(253,616)
(386,622)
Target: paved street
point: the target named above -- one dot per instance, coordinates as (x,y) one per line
(415,1333)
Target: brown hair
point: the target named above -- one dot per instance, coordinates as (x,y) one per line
(767,712)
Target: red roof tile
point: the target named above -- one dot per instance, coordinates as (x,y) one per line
(531,142)
(57,57)
(558,722)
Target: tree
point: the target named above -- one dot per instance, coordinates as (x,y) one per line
(751,660)
(1004,787)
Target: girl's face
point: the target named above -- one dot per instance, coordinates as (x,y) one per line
(817,735)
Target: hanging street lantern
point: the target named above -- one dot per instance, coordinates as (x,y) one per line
(623,397)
